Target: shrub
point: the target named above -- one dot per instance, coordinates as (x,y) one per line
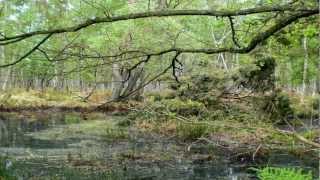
(277,106)
(204,88)
(258,76)
(272,173)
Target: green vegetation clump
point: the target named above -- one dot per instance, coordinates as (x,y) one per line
(116,134)
(158,96)
(191,131)
(4,173)
(174,106)
(273,173)
(126,122)
(186,108)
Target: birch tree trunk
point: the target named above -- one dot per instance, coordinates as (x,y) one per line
(305,66)
(2,59)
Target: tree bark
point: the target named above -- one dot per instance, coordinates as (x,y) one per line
(161,4)
(134,82)
(117,82)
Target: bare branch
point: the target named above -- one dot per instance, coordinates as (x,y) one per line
(28,53)
(135,66)
(234,38)
(126,96)
(174,67)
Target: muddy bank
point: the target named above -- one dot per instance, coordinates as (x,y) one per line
(109,108)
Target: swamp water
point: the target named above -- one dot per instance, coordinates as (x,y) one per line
(58,145)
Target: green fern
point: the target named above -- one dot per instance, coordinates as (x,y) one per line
(273,173)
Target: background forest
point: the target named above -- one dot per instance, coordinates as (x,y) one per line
(223,83)
(80,60)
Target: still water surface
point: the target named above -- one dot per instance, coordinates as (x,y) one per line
(56,146)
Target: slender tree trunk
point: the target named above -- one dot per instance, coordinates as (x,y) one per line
(318,73)
(143,78)
(2,59)
(7,77)
(81,51)
(305,66)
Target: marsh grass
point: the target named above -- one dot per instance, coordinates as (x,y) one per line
(20,98)
(191,131)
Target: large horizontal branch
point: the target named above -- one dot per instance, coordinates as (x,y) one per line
(260,37)
(256,40)
(167,13)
